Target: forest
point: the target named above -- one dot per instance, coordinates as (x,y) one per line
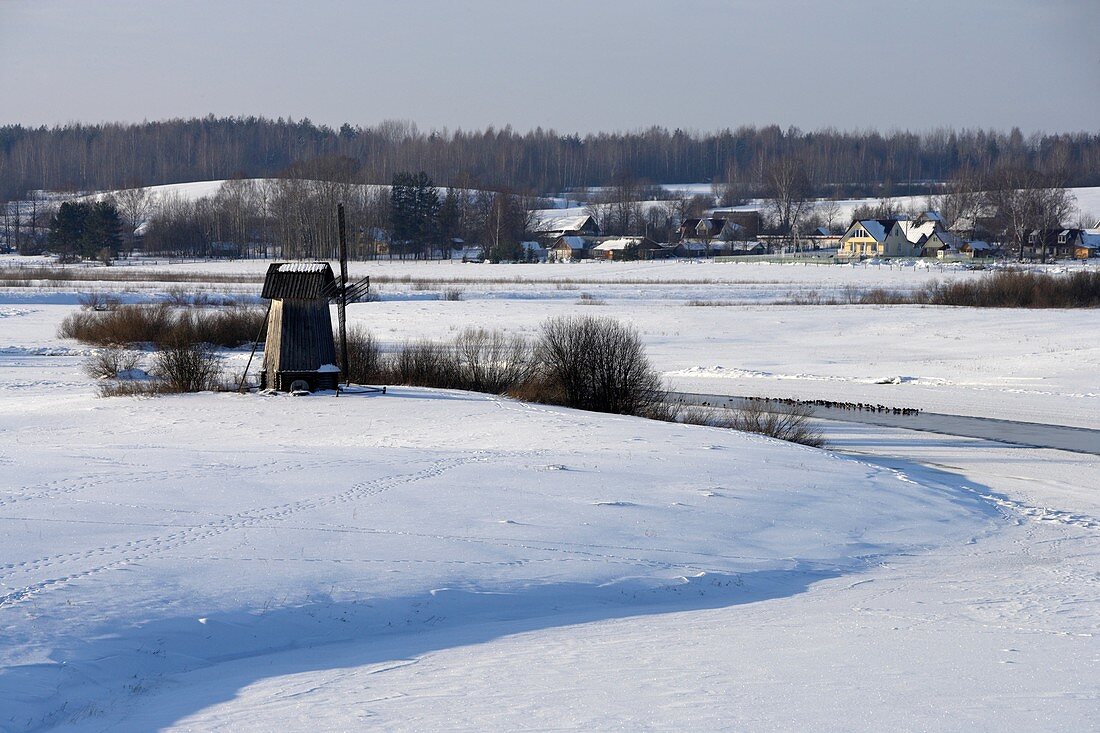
(86,157)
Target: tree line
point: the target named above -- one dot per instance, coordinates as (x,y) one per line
(80,157)
(282,217)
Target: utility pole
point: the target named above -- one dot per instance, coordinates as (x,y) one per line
(343,302)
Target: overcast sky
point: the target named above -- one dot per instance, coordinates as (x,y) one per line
(571,65)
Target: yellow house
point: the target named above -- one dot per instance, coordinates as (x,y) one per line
(886,238)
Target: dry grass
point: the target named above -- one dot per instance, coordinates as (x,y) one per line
(162,324)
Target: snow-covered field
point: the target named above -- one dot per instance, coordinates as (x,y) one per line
(440,560)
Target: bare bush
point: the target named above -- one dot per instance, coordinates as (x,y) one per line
(590,299)
(492,361)
(425,364)
(128,324)
(451,294)
(596,364)
(130,388)
(132,324)
(99,301)
(366,364)
(784,422)
(109,362)
(185,366)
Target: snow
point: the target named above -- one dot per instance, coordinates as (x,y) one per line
(618,244)
(874,228)
(304,267)
(440,560)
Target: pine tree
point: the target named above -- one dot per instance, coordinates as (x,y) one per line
(66,233)
(102,231)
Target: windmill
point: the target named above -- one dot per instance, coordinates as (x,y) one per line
(299,353)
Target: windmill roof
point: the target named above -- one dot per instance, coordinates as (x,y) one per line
(298,280)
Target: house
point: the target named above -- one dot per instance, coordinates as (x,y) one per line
(631,248)
(981,226)
(941,244)
(875,238)
(898,237)
(691,248)
(821,238)
(533,251)
(749,220)
(978,249)
(740,249)
(1057,244)
(1088,244)
(550,224)
(569,248)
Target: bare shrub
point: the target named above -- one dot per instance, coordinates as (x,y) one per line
(1019,289)
(365,360)
(109,362)
(425,364)
(596,364)
(185,366)
(232,326)
(132,324)
(784,422)
(130,388)
(708,303)
(128,324)
(178,296)
(451,294)
(99,301)
(590,299)
(491,361)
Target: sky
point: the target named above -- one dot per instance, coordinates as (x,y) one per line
(570,65)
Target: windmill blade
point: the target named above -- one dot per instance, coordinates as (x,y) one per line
(357,291)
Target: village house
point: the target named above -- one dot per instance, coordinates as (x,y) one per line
(569,248)
(899,237)
(549,225)
(1088,244)
(1056,244)
(631,248)
(750,221)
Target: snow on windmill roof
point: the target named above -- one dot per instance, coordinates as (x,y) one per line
(303,267)
(298,280)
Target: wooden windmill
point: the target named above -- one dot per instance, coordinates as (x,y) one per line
(299,351)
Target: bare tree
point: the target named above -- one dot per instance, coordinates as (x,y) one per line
(1026,201)
(135,204)
(963,197)
(787,188)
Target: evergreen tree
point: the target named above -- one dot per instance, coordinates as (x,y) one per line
(414,212)
(66,232)
(450,216)
(102,231)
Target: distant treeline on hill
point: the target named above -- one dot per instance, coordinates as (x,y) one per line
(110,156)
